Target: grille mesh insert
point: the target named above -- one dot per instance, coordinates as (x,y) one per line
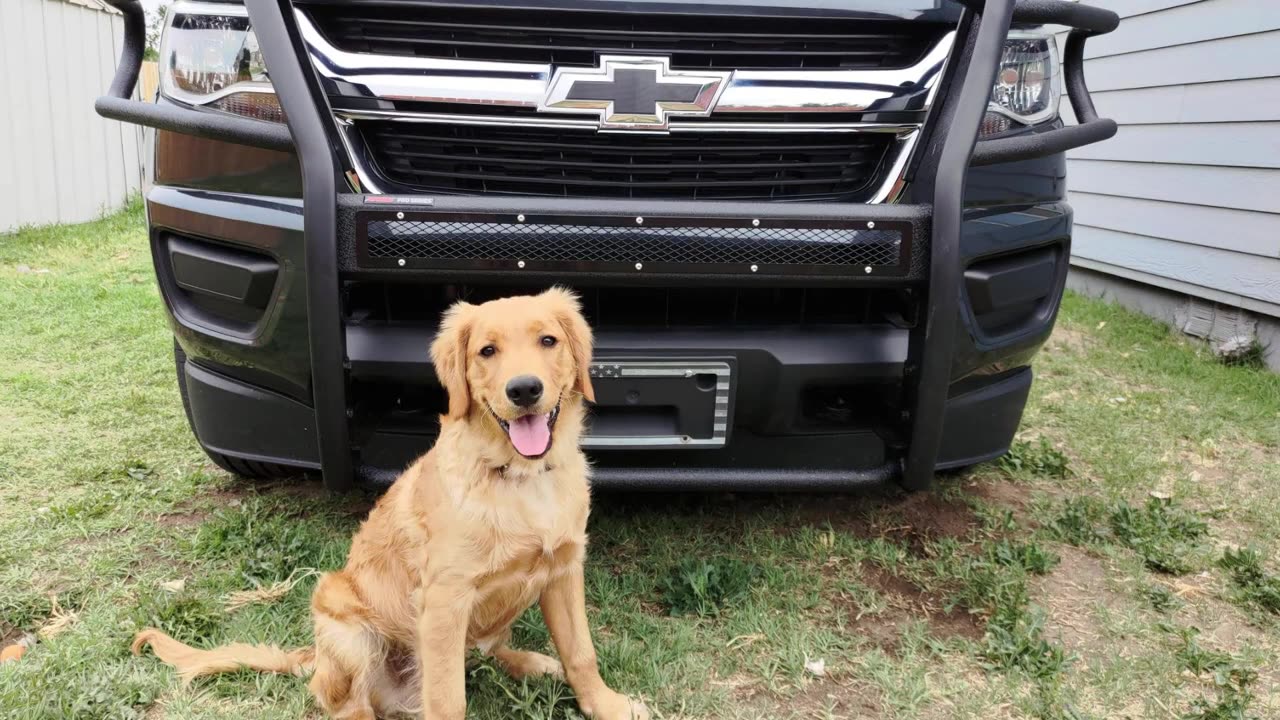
(733,249)
(567,163)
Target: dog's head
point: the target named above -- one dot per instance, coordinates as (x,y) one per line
(520,362)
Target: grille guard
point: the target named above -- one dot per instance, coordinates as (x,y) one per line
(943,161)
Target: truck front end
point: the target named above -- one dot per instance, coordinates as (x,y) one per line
(819,242)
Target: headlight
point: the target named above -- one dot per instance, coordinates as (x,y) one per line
(210,57)
(1028,83)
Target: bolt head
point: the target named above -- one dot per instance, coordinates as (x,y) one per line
(754,268)
(870,224)
(755,222)
(639,266)
(400,262)
(520,264)
(399,216)
(867,269)
(639,221)
(520,218)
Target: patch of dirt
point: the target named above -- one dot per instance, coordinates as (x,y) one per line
(1065,338)
(9,634)
(1070,593)
(916,517)
(833,696)
(1004,495)
(906,603)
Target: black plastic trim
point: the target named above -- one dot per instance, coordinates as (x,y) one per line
(223,272)
(244,421)
(1011,280)
(739,479)
(710,479)
(979,423)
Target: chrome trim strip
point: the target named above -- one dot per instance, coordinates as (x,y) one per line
(423,79)
(895,181)
(194,7)
(676,126)
(440,80)
(841,91)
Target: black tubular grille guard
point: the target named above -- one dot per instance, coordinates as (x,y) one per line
(946,157)
(618,244)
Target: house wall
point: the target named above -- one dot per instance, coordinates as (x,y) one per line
(1186,197)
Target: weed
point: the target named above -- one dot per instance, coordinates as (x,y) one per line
(1195,658)
(1253,586)
(1040,459)
(1164,535)
(1015,640)
(1161,598)
(702,587)
(539,698)
(1231,676)
(187,616)
(1032,557)
(994,581)
(1077,523)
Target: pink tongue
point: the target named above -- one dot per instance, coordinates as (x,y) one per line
(531,434)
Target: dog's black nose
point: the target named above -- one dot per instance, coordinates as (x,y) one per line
(524,390)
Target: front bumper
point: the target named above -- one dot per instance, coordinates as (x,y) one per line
(955,366)
(250,387)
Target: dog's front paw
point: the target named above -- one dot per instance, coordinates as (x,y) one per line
(615,707)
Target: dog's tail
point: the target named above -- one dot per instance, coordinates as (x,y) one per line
(192,663)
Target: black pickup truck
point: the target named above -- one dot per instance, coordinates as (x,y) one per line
(820,241)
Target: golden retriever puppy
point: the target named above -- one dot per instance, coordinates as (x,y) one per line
(489,521)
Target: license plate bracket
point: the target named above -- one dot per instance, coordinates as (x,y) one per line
(661,403)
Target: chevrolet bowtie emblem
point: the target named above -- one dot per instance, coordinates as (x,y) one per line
(634,93)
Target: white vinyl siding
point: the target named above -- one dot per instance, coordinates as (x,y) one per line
(65,164)
(1187,195)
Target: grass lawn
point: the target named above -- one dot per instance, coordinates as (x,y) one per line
(1120,563)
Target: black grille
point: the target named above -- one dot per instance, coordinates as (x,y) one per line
(669,306)
(564,37)
(569,163)
(661,245)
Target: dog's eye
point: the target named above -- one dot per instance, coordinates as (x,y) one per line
(488,351)
(549,341)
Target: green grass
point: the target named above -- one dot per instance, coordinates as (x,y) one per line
(1093,573)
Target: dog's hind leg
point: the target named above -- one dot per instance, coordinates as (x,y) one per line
(350,656)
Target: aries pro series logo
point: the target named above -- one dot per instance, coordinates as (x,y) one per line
(634,93)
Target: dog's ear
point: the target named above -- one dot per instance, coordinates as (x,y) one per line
(577,333)
(449,354)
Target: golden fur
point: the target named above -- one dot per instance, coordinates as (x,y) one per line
(466,539)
